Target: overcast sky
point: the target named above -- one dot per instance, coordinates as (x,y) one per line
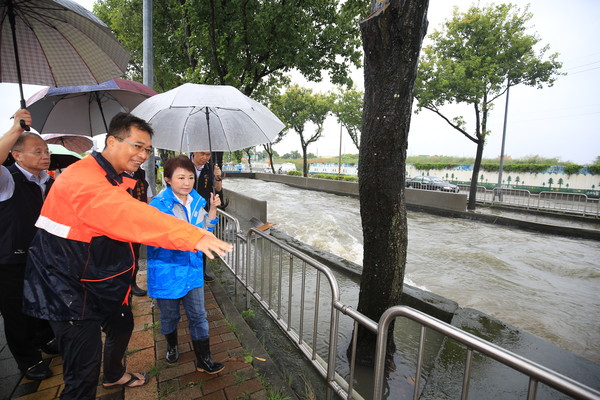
(561,121)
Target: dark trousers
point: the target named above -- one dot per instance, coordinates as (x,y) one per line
(81,350)
(24,334)
(136,254)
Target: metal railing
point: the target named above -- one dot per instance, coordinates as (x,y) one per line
(565,202)
(287,285)
(536,373)
(573,203)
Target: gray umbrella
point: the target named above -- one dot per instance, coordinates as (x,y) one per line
(85,109)
(195,117)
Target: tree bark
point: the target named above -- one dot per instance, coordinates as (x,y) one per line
(392,40)
(304,159)
(471,204)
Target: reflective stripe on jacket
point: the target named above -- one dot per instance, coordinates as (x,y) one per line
(80,262)
(173,273)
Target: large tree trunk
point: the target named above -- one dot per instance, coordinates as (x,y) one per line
(269,150)
(304,159)
(471,205)
(392,41)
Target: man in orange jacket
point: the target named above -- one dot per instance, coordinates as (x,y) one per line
(80,264)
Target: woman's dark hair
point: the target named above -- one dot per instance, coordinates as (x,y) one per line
(178,162)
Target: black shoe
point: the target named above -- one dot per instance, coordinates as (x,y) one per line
(50,347)
(208,278)
(172,354)
(38,372)
(137,291)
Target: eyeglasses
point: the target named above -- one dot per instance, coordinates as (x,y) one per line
(138,147)
(36,153)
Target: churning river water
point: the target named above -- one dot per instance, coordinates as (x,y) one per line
(545,284)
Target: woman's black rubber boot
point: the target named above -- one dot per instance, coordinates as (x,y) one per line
(172,349)
(204,362)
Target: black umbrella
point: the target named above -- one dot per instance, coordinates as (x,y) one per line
(56,43)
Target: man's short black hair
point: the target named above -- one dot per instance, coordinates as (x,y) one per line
(122,122)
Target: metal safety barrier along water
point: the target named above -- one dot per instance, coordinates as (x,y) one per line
(288,286)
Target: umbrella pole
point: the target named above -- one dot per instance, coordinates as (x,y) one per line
(211,169)
(97,95)
(11,19)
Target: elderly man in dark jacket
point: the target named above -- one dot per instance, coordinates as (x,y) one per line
(23,187)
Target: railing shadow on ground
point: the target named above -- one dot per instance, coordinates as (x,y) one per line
(287,284)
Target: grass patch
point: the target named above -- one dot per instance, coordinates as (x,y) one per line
(238,378)
(232,327)
(129,352)
(276,395)
(247,314)
(154,371)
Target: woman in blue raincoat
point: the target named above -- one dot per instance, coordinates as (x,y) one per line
(176,277)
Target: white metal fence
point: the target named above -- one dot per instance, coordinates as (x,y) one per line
(302,297)
(568,203)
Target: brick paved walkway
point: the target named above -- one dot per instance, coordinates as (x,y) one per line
(245,375)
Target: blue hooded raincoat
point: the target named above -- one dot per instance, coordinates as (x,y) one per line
(173,273)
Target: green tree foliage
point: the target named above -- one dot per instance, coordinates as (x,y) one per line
(248,44)
(572,169)
(299,106)
(238,155)
(473,59)
(348,108)
(271,153)
(295,154)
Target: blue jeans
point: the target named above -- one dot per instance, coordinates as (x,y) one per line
(193,303)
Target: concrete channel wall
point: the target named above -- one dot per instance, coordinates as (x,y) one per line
(440,203)
(425,198)
(240,204)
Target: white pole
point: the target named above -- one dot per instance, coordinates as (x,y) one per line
(340,159)
(499,185)
(148,75)
(503,138)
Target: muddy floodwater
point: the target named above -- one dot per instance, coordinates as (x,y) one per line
(548,285)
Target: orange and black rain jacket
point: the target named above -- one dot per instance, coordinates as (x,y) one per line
(80,263)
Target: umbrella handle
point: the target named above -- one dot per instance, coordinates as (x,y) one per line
(22,122)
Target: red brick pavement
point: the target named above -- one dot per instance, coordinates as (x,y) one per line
(180,381)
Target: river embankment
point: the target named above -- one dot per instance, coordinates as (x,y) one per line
(306,217)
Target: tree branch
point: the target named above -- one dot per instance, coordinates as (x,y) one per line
(458,128)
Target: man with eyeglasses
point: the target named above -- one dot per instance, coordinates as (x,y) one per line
(208,179)
(141,191)
(23,187)
(81,263)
